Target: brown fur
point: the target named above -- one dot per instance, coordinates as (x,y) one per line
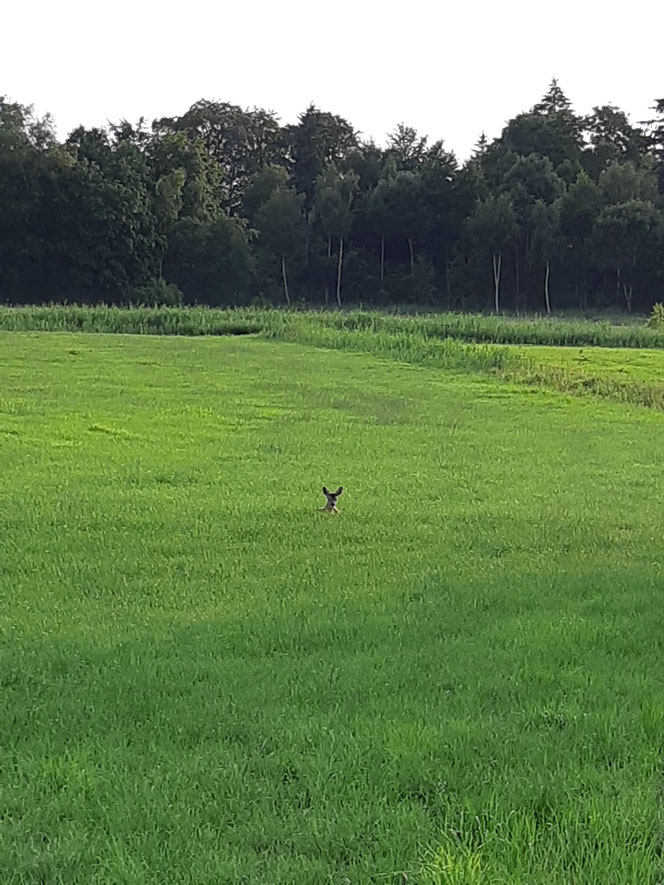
(331,506)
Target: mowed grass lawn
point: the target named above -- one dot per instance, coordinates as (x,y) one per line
(620,363)
(459,679)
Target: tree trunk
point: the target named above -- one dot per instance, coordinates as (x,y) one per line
(283,276)
(412,257)
(628,289)
(341,257)
(547,300)
(517,280)
(447,274)
(307,237)
(327,281)
(382,256)
(497,259)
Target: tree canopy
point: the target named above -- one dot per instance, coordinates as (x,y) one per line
(229,204)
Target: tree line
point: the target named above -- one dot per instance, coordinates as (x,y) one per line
(226,206)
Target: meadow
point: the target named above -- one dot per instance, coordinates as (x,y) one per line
(619,374)
(578,356)
(205,680)
(640,366)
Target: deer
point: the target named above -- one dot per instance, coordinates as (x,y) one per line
(331,506)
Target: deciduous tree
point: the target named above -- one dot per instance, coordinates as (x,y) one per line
(279,222)
(492,228)
(335,192)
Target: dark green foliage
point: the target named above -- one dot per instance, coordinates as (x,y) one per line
(612,139)
(155,294)
(551,129)
(230,205)
(209,261)
(261,187)
(492,229)
(628,240)
(177,154)
(315,142)
(654,138)
(279,223)
(239,141)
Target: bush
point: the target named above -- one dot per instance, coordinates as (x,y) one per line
(157,293)
(656,320)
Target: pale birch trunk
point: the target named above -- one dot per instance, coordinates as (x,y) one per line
(517,280)
(327,282)
(341,256)
(283,276)
(497,260)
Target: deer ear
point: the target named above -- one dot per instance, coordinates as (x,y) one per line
(339,491)
(325,491)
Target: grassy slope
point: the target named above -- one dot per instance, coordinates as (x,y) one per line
(448,341)
(204,680)
(645,366)
(620,374)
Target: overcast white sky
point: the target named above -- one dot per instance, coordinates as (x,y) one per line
(449,71)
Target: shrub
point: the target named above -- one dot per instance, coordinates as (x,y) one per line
(157,293)
(656,320)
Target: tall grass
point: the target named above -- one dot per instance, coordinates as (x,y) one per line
(407,343)
(500,330)
(212,321)
(129,320)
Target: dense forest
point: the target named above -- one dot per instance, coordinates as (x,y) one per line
(226,206)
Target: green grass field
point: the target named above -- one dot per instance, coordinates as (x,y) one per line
(457,681)
(621,374)
(572,355)
(630,365)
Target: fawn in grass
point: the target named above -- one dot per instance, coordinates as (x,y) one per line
(331,506)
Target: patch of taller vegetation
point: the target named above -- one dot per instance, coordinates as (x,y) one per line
(132,321)
(656,318)
(476,328)
(490,329)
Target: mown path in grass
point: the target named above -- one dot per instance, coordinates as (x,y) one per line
(458,679)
